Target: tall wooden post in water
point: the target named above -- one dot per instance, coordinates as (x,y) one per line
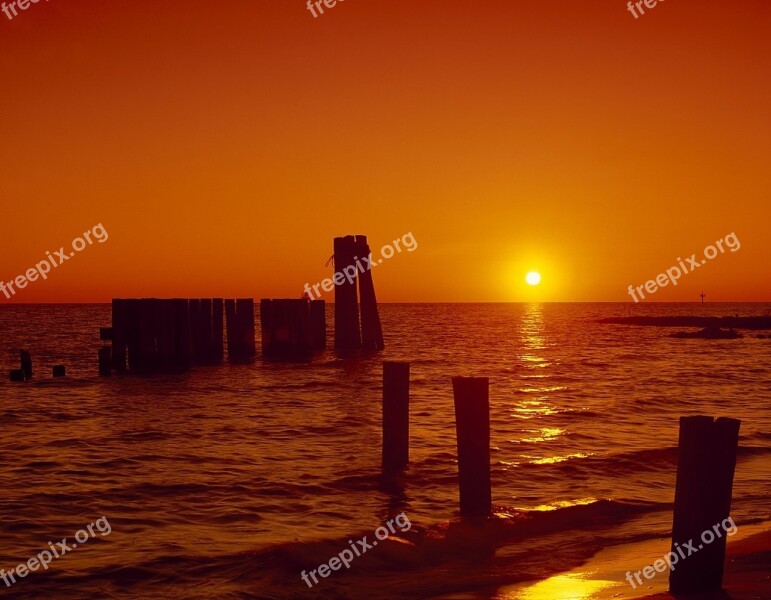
(472,423)
(371,330)
(396,416)
(705,472)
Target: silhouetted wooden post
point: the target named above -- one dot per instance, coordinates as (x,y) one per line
(286,329)
(195,329)
(232,328)
(319,324)
(218,350)
(59,371)
(16,375)
(472,423)
(705,471)
(245,319)
(347,333)
(26,364)
(147,334)
(105,361)
(183,344)
(396,416)
(165,334)
(206,330)
(133,320)
(371,330)
(119,334)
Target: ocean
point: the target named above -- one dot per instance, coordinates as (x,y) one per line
(228,481)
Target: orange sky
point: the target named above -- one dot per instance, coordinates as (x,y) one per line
(224,144)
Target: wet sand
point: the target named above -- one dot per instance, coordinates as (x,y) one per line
(747,575)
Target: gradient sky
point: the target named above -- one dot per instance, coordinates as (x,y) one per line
(224,144)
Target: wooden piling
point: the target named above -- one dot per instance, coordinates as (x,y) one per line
(59,371)
(232,328)
(347,333)
(371,329)
(119,334)
(396,416)
(217,329)
(195,330)
(705,470)
(165,334)
(205,317)
(133,320)
(286,329)
(148,334)
(472,422)
(183,344)
(245,319)
(105,361)
(16,375)
(26,364)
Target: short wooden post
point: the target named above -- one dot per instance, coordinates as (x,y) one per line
(232,328)
(472,423)
(206,331)
(218,350)
(59,371)
(705,471)
(147,334)
(396,416)
(16,375)
(347,332)
(195,330)
(105,334)
(132,324)
(371,329)
(26,364)
(105,361)
(183,344)
(119,334)
(245,319)
(165,334)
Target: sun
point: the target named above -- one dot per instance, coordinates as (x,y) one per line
(533,278)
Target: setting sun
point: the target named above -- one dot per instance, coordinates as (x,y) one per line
(533,278)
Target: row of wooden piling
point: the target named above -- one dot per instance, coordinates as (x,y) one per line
(292,329)
(151,334)
(24,372)
(707,450)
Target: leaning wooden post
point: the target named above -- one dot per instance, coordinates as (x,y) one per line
(472,423)
(371,330)
(347,332)
(26,364)
(396,416)
(705,472)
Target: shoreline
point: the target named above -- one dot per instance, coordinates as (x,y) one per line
(747,572)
